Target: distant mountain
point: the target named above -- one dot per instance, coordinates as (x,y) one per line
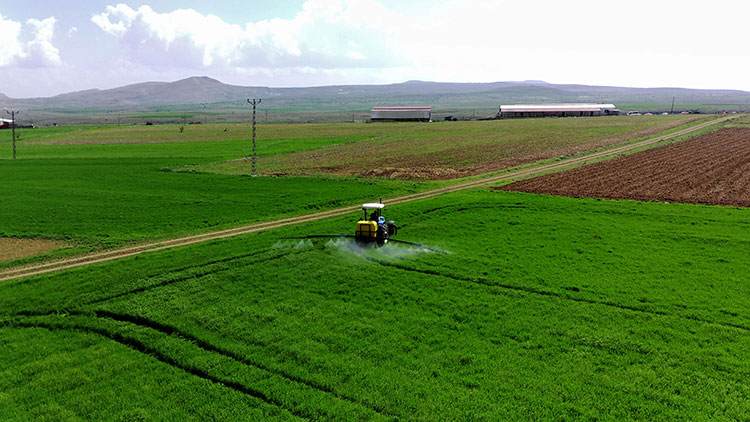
(197,91)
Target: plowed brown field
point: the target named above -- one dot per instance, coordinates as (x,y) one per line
(710,169)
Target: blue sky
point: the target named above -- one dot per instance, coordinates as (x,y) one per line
(50,47)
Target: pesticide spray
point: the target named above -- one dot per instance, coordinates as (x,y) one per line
(389,251)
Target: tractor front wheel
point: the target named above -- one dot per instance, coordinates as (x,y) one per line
(382,235)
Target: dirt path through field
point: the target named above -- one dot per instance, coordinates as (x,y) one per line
(95,258)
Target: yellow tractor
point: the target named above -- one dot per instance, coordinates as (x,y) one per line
(373,228)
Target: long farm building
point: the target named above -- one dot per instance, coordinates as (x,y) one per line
(401,114)
(557,110)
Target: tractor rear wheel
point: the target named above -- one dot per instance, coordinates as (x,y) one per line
(392,228)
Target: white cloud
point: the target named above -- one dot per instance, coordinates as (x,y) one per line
(10,49)
(37,52)
(41,51)
(632,43)
(324,34)
(635,43)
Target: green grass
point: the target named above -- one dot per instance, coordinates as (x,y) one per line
(75,184)
(106,202)
(272,134)
(74,365)
(741,121)
(657,107)
(543,308)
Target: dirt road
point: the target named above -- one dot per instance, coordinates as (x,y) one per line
(16,273)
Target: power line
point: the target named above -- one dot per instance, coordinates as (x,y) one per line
(254,103)
(13,114)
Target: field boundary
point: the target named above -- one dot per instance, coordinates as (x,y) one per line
(99,257)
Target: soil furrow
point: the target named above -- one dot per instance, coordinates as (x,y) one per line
(710,169)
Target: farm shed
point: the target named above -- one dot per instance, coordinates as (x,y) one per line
(5,123)
(401,114)
(557,110)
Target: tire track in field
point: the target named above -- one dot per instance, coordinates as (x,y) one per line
(196,276)
(143,348)
(170,330)
(16,273)
(549,293)
(167,282)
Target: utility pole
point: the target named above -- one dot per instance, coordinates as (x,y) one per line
(672,110)
(254,103)
(13,114)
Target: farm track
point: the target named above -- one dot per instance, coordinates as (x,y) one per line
(16,273)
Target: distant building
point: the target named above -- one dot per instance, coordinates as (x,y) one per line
(8,124)
(557,110)
(401,114)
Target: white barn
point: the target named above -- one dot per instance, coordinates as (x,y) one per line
(557,110)
(401,114)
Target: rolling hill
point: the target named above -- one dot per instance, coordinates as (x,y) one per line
(203,91)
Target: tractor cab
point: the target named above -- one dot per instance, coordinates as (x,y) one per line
(373,228)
